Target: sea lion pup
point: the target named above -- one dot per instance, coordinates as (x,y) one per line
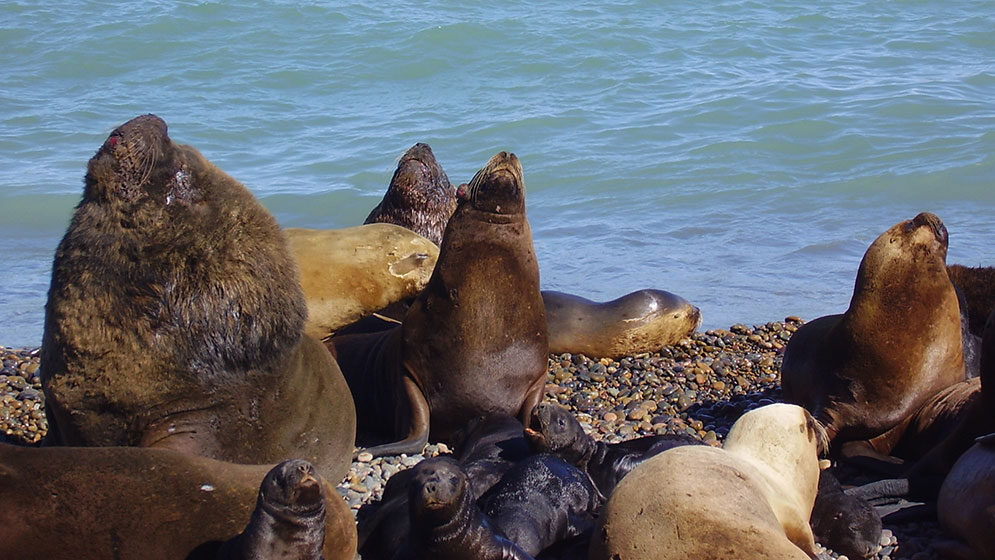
(863,372)
(846,524)
(965,505)
(542,500)
(978,286)
(350,273)
(289,519)
(553,429)
(446,523)
(750,499)
(419,196)
(131,502)
(643,321)
(474,341)
(175,315)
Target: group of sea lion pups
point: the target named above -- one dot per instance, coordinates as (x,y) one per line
(181,361)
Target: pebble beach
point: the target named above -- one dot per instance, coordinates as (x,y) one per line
(699,386)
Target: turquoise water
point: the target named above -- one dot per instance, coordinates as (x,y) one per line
(741,154)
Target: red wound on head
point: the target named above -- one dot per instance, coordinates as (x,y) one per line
(463,192)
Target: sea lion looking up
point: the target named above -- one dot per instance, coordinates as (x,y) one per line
(750,499)
(175,315)
(863,372)
(474,341)
(289,519)
(419,196)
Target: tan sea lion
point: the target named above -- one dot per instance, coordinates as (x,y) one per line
(863,372)
(175,316)
(643,321)
(126,502)
(349,273)
(750,499)
(966,505)
(474,341)
(419,196)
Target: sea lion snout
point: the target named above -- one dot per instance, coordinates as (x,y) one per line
(934,223)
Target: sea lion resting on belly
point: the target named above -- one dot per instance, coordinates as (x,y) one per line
(866,371)
(129,502)
(175,315)
(474,341)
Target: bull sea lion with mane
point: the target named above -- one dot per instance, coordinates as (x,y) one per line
(175,316)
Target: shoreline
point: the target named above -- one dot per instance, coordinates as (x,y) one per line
(699,386)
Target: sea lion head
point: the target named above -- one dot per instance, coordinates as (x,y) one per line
(292,490)
(552,429)
(911,251)
(437,491)
(138,162)
(498,188)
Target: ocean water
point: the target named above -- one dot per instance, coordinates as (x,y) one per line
(741,154)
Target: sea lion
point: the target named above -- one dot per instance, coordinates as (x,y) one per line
(965,505)
(553,429)
(289,519)
(446,523)
(474,341)
(128,502)
(643,321)
(350,273)
(419,196)
(750,499)
(863,372)
(846,524)
(175,315)
(540,501)
(978,286)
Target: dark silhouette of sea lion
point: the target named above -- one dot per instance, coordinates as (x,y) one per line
(846,524)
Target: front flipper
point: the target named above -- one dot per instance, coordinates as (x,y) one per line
(418,424)
(511,551)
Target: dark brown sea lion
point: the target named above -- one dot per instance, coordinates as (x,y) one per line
(419,197)
(446,523)
(474,341)
(846,524)
(863,372)
(289,519)
(750,499)
(643,321)
(175,316)
(127,502)
(966,505)
(978,286)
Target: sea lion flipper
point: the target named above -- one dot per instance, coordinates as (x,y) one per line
(418,426)
(511,551)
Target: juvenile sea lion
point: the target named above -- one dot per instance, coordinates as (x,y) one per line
(553,429)
(846,524)
(129,502)
(175,315)
(750,499)
(419,197)
(446,523)
(965,505)
(863,372)
(643,321)
(289,519)
(474,341)
(540,501)
(350,273)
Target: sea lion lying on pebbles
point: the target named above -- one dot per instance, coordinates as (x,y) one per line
(419,196)
(175,316)
(553,429)
(750,499)
(642,321)
(129,502)
(289,519)
(446,524)
(350,273)
(864,372)
(846,524)
(474,341)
